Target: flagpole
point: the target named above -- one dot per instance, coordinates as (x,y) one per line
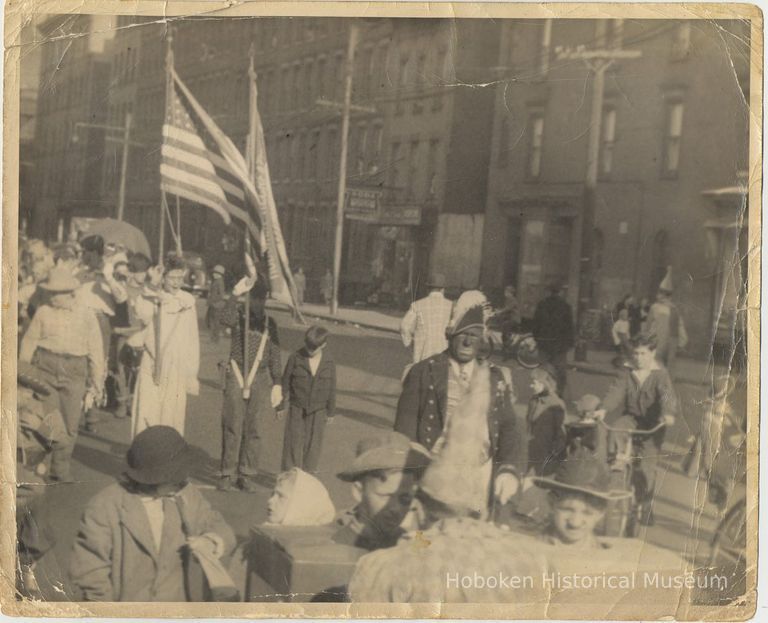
(168,94)
(250,161)
(178,227)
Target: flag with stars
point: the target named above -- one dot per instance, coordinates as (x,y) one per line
(201,164)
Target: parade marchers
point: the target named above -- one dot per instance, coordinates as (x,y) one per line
(457,456)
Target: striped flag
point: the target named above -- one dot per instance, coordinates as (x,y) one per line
(281,282)
(200,163)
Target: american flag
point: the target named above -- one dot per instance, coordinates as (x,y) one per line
(200,163)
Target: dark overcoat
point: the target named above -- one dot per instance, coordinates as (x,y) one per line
(422,407)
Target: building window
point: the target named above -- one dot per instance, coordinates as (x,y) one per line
(402,82)
(301,157)
(413,168)
(503,158)
(434,152)
(361,147)
(320,83)
(672,137)
(395,166)
(312,154)
(331,159)
(309,83)
(608,141)
(338,73)
(681,43)
(376,142)
(536,142)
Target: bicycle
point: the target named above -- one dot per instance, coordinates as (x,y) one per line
(629,478)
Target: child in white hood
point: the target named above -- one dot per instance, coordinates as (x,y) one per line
(299,499)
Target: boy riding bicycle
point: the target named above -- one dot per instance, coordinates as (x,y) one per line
(645,398)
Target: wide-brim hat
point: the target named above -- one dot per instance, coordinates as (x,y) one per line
(60,280)
(34,378)
(583,473)
(391,451)
(159,455)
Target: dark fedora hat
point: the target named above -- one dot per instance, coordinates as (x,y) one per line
(159,455)
(583,473)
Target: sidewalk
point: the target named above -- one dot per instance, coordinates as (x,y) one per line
(690,371)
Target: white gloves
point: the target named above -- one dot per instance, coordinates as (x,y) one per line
(247,282)
(276,396)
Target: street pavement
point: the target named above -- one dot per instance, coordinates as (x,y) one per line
(370,364)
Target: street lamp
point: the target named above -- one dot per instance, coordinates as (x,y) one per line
(125,141)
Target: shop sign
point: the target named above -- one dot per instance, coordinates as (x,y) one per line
(401,215)
(363,204)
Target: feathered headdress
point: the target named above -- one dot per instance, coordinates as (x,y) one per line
(471,309)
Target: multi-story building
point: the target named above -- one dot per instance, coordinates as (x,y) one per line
(68,159)
(418,141)
(674,126)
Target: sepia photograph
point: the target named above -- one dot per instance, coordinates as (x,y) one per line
(375,308)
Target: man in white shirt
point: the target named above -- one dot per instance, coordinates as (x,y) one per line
(425,323)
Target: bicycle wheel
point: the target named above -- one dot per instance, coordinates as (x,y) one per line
(527,353)
(617,511)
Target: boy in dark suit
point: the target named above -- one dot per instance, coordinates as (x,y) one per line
(309,388)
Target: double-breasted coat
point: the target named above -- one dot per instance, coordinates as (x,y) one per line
(421,413)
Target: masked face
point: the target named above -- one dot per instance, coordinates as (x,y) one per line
(466,346)
(386,499)
(575,519)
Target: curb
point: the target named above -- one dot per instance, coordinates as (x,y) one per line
(344,321)
(586,368)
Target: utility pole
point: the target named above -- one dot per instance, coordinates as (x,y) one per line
(342,189)
(598,61)
(124,166)
(126,143)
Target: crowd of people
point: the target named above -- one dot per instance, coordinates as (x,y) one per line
(456,459)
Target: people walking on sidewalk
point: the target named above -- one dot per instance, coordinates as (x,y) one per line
(135,535)
(63,340)
(251,391)
(326,286)
(171,359)
(423,326)
(309,391)
(554,332)
(666,323)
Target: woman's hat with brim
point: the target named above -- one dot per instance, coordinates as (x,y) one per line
(159,455)
(60,280)
(391,451)
(582,473)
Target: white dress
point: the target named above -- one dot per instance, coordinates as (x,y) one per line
(163,400)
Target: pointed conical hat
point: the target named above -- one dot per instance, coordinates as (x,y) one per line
(666,283)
